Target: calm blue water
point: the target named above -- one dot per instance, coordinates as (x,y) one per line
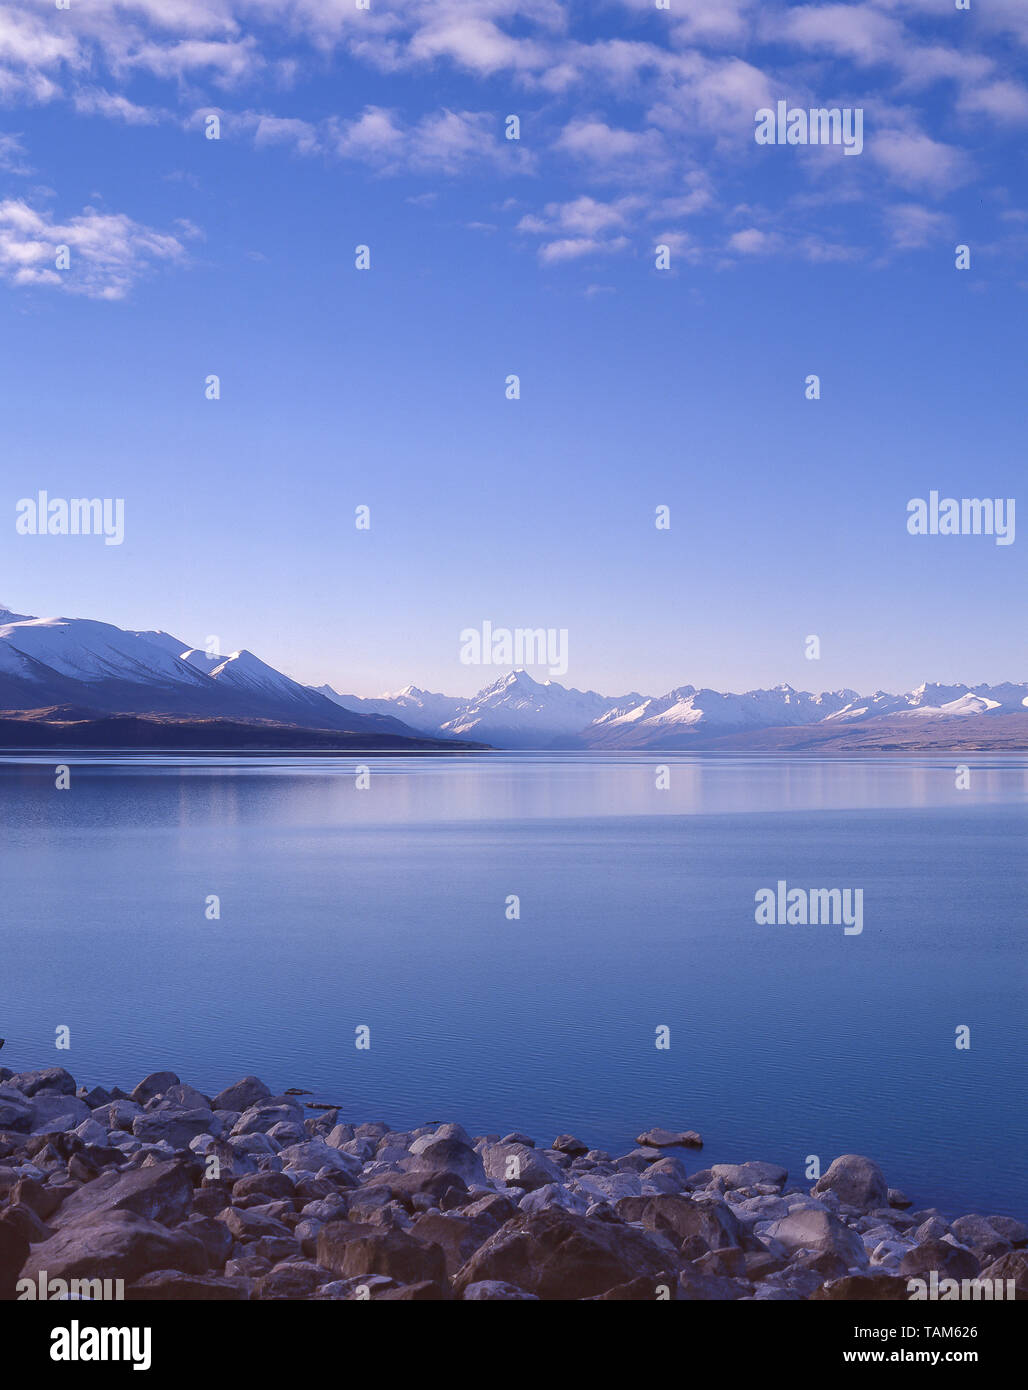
(386,907)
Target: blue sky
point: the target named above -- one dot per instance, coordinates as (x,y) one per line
(639,387)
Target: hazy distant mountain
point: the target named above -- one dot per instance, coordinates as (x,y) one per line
(420,708)
(516,711)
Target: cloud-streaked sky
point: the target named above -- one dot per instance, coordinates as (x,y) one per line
(386,127)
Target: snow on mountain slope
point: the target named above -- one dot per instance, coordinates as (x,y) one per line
(95,665)
(99,667)
(247,672)
(203,661)
(164,640)
(421,709)
(90,651)
(664,721)
(516,711)
(516,708)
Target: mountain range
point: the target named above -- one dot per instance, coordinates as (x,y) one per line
(517,711)
(75,670)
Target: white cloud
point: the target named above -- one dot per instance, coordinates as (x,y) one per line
(573,248)
(12,155)
(752,242)
(95,101)
(916,160)
(109,252)
(913,227)
(440,142)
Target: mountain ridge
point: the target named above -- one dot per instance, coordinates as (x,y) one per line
(517,711)
(104,670)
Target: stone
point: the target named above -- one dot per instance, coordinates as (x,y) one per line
(50,1081)
(749,1174)
(696,1286)
(115,1245)
(174,1126)
(457,1236)
(315,1155)
(251,1225)
(729,1261)
(495,1290)
(554,1195)
(267,1185)
(695,1225)
(154,1085)
(15,1110)
(247,1267)
(275,1249)
(259,1118)
(117,1114)
(242,1095)
(874,1288)
(568,1144)
(214,1236)
(1016,1232)
(169,1285)
(14,1251)
(427,1290)
(670,1168)
(559,1255)
(159,1192)
(449,1154)
(496,1205)
(57,1113)
(812,1229)
(949,1261)
(979,1234)
(856,1181)
(932,1229)
(349,1250)
(294,1279)
(44,1201)
(519,1166)
(1013,1265)
(22,1218)
(668,1139)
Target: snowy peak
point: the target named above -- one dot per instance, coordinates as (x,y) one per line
(105,669)
(516,711)
(83,650)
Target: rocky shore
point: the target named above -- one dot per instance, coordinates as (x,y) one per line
(248,1195)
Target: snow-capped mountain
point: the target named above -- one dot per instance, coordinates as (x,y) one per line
(98,668)
(419,708)
(516,711)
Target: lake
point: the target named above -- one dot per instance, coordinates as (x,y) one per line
(388,907)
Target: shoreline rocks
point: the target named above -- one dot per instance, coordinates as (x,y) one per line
(250,1195)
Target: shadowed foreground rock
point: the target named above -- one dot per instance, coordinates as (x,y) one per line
(250,1195)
